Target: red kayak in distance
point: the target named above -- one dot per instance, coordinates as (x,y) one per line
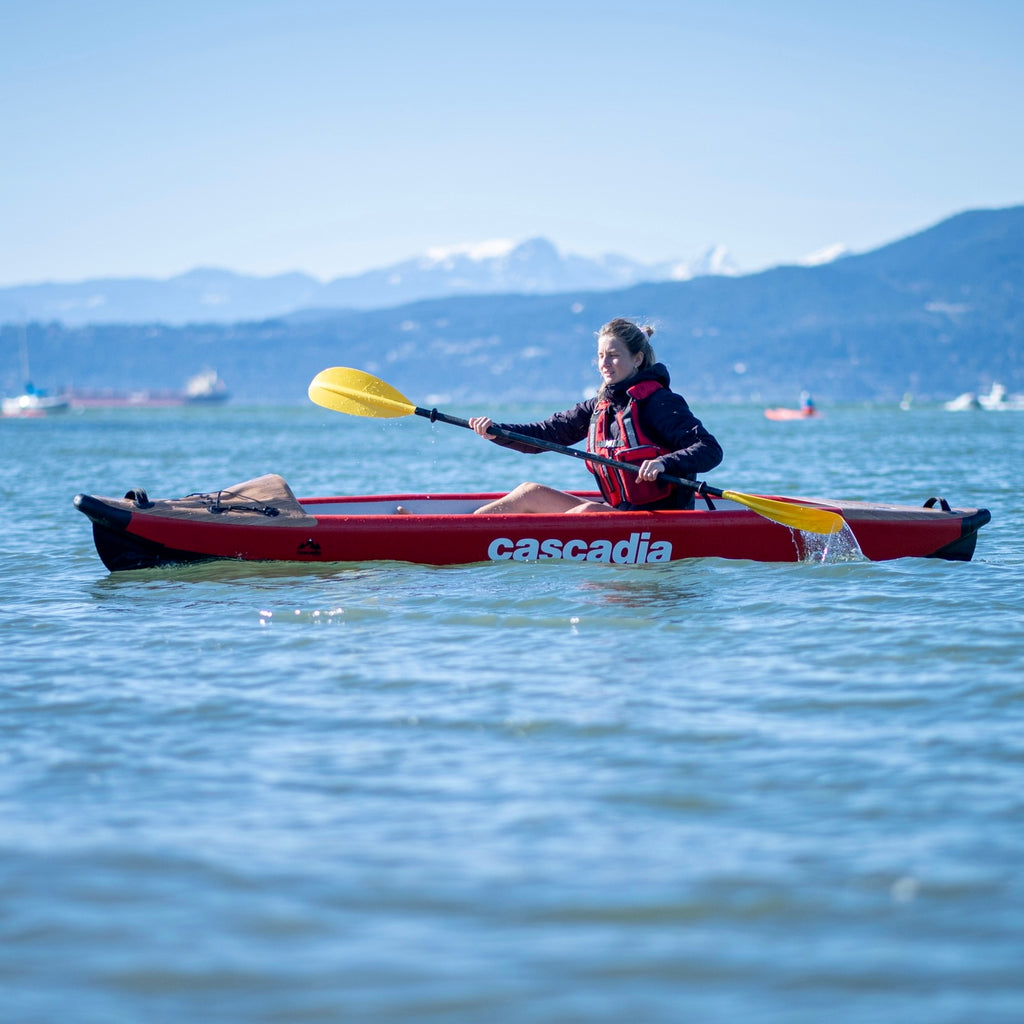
(807,413)
(262,520)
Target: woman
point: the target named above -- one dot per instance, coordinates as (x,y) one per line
(634,418)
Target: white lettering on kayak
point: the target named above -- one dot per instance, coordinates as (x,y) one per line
(635,551)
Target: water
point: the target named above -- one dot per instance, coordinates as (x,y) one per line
(708,791)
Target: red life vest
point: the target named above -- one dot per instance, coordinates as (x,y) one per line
(632,445)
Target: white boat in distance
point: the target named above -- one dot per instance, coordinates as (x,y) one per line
(32,403)
(997,400)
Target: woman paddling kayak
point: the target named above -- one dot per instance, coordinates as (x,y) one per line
(634,418)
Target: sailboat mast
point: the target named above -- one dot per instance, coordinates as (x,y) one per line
(26,374)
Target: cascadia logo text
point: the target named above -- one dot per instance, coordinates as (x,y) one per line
(638,549)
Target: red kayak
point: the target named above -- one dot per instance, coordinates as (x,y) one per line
(806,413)
(262,520)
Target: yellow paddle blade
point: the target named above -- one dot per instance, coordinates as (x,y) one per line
(358,394)
(799,517)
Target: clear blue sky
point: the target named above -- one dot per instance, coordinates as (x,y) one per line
(150,138)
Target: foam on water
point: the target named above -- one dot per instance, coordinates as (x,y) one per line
(831,548)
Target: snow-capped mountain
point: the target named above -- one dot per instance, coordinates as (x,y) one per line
(713,261)
(532,267)
(822,256)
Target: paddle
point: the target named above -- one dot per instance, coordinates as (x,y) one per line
(362,394)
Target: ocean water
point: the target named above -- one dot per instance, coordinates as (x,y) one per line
(708,791)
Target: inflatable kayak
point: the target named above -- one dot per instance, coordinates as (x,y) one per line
(262,520)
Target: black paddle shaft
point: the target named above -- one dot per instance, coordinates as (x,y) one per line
(699,486)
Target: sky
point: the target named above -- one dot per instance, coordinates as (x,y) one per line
(269,136)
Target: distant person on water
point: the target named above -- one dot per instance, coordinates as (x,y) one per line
(633,418)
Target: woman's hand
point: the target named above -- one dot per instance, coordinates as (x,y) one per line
(481,424)
(650,470)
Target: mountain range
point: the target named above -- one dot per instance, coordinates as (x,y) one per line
(937,313)
(533,267)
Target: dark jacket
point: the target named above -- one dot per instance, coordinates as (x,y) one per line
(665,417)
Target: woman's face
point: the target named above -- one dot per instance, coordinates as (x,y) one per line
(614,360)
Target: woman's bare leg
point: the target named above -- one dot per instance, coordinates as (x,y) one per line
(531,497)
(591,506)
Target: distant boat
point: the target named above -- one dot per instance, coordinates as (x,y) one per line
(205,388)
(962,403)
(32,403)
(808,410)
(997,400)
